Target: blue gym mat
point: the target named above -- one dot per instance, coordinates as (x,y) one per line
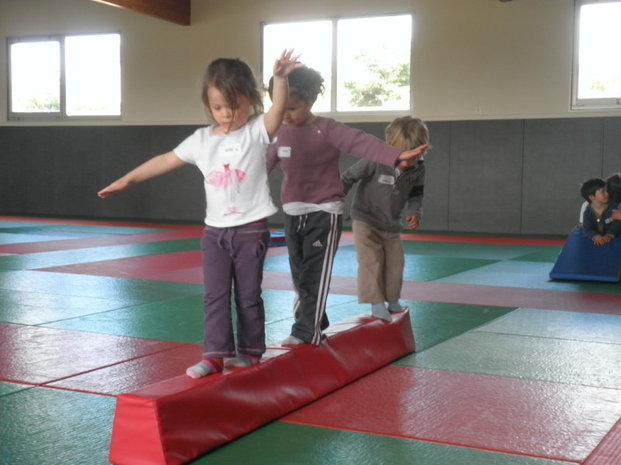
(581,260)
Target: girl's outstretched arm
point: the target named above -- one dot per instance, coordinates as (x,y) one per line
(282,68)
(410,157)
(152,168)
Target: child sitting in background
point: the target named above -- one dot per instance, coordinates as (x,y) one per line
(613,186)
(598,223)
(383,195)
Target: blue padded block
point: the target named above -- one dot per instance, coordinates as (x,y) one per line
(581,260)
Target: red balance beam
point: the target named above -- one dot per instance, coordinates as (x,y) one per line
(180,419)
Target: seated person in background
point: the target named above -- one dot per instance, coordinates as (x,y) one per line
(598,223)
(613,186)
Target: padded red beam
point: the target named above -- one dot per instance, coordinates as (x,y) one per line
(177,420)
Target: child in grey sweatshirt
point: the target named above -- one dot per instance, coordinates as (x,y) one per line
(383,196)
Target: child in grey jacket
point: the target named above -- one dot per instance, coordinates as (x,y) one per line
(383,196)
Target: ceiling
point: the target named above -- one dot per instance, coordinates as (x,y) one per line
(174,11)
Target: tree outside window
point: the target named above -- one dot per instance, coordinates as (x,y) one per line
(365,62)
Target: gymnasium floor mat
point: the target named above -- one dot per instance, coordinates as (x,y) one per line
(511,368)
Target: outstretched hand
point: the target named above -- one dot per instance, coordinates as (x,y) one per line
(410,157)
(114,188)
(286,63)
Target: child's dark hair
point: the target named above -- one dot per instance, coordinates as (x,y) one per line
(590,187)
(304,83)
(233,78)
(613,186)
(407,132)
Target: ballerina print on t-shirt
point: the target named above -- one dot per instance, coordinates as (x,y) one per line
(229,181)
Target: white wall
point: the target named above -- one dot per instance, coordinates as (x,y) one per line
(473,59)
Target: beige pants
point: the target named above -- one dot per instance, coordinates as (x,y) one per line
(380,264)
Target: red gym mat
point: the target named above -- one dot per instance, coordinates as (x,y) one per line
(42,355)
(184,266)
(133,374)
(107,240)
(515,416)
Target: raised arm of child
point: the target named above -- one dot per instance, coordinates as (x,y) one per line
(282,68)
(156,166)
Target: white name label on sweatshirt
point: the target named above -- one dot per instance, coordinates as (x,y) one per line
(386,179)
(284,152)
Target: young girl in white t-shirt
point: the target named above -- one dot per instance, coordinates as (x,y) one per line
(231,155)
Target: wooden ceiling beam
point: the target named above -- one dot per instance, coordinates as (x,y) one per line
(175,11)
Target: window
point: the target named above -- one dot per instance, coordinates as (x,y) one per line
(597,68)
(64,77)
(365,62)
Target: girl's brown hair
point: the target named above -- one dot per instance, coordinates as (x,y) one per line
(233,78)
(407,133)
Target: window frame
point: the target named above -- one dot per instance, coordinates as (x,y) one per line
(60,115)
(361,115)
(587,104)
